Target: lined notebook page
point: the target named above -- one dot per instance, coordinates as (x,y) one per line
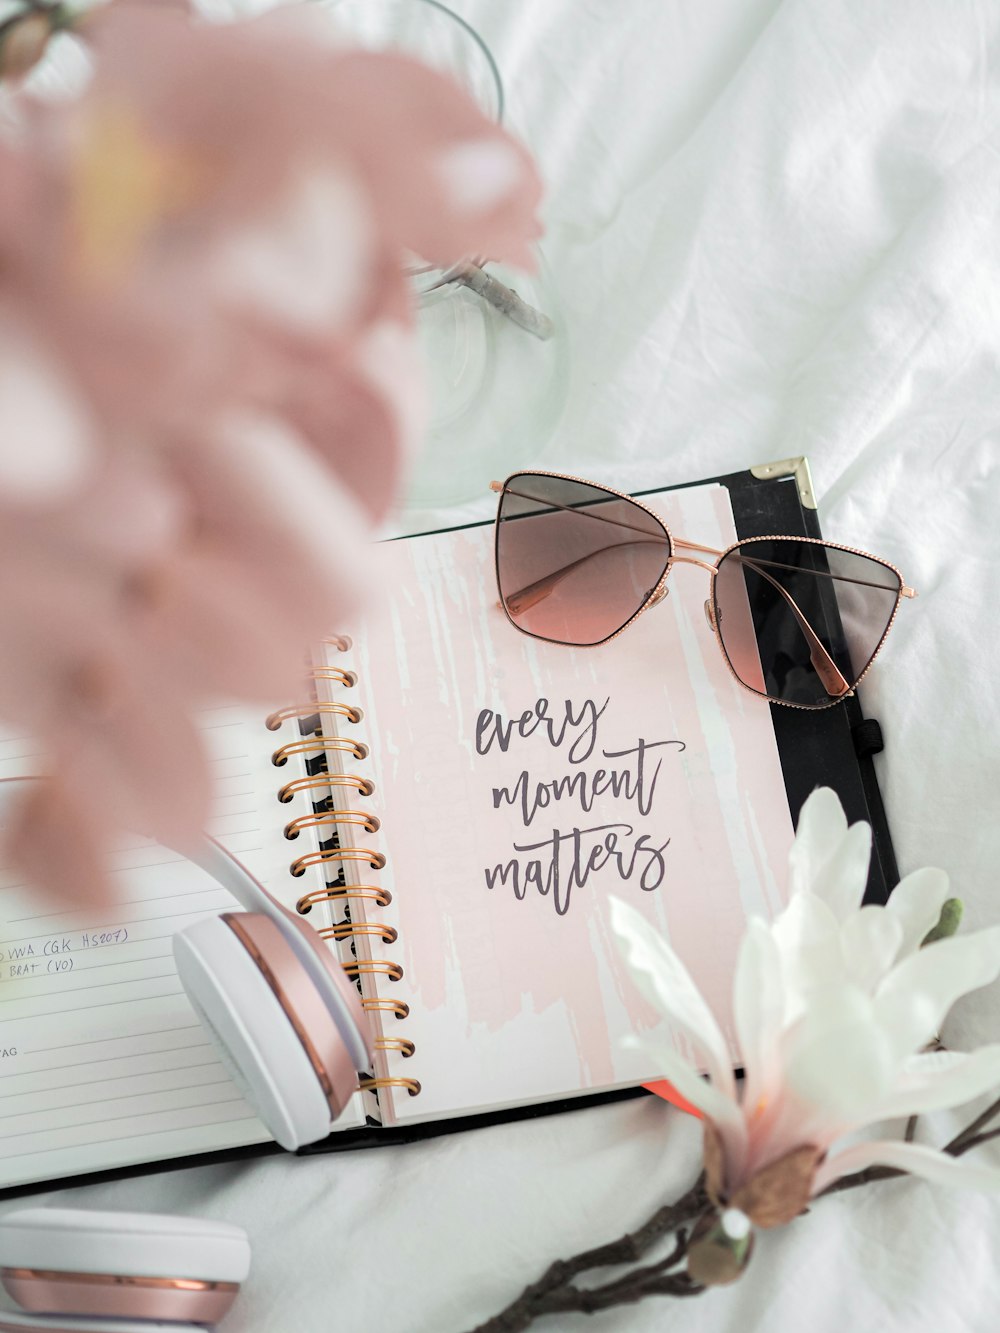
(504,844)
(103,1062)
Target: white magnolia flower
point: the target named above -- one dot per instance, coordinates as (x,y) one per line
(833,1005)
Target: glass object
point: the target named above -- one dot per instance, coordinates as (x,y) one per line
(799,621)
(493,344)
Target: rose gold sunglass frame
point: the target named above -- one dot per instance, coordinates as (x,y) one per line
(660,590)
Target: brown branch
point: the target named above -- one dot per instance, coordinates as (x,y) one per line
(959,1143)
(554,1290)
(866,1177)
(975,1141)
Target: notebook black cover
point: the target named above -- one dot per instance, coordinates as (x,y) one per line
(826,747)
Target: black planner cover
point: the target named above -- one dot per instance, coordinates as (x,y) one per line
(831,747)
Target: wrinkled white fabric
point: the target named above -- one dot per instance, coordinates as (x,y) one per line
(775,230)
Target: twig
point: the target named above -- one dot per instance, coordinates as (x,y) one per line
(554,1289)
(503,298)
(866,1177)
(960,1141)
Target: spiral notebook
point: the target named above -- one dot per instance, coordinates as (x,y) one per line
(451,806)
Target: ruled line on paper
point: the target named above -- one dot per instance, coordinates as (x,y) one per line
(223,1101)
(84,970)
(102,1079)
(97,985)
(110,1101)
(131,1036)
(93,948)
(113,1059)
(108,1004)
(62,989)
(135,902)
(174,1130)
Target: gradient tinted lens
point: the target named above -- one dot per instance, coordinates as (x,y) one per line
(800,621)
(575,562)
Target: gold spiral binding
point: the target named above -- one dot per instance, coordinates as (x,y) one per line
(344,930)
(317,745)
(399,1007)
(363,785)
(370,823)
(411,1085)
(375,893)
(400,1044)
(342,642)
(274,720)
(375,859)
(346,678)
(381,967)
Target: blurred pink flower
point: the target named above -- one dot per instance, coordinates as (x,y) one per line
(208,383)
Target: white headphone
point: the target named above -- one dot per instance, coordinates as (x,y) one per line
(72,1271)
(288,1023)
(290,1028)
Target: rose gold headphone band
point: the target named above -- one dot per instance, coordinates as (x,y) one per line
(112,1296)
(117,1280)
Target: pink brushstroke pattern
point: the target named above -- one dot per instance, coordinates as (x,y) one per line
(511,1001)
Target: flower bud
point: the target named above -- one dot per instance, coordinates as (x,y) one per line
(947,923)
(720,1248)
(23,43)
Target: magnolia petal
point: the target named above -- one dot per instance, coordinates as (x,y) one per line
(758,1009)
(480,173)
(870,939)
(916,904)
(822,824)
(840,883)
(666,983)
(47,438)
(808,939)
(54,841)
(306,265)
(902,1017)
(941,1079)
(938,975)
(723,1111)
(714,1156)
(914,1158)
(780,1191)
(837,1058)
(286,491)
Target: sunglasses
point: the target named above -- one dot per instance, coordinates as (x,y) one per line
(799,621)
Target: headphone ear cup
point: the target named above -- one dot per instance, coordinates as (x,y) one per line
(66,1264)
(254,1033)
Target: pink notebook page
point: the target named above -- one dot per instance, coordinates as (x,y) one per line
(516,990)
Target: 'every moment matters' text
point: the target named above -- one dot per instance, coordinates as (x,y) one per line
(556,860)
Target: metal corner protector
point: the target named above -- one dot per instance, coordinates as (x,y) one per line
(790,467)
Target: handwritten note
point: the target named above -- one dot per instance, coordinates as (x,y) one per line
(566,857)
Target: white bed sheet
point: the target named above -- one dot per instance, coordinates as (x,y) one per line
(775,230)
